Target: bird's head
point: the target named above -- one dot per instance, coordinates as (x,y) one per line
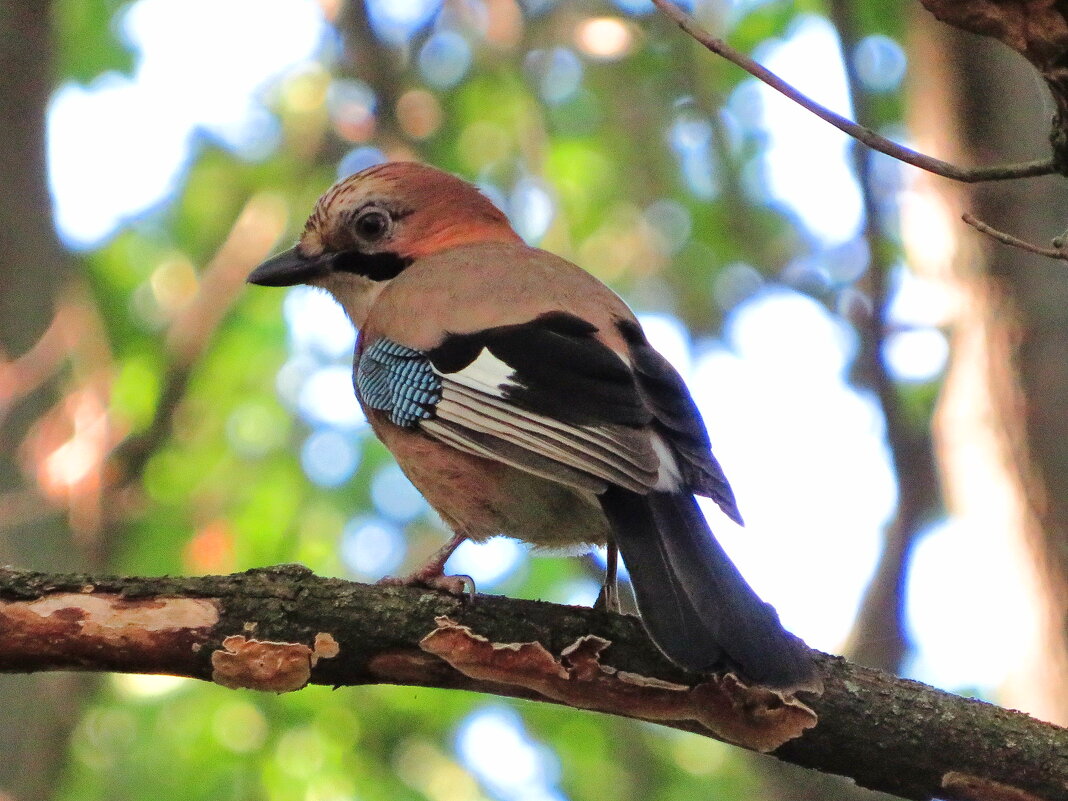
(367,229)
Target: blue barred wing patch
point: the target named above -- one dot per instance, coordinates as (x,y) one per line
(399,380)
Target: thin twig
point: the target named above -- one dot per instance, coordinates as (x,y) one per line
(1009,239)
(1001,172)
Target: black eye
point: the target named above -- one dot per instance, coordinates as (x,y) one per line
(372,225)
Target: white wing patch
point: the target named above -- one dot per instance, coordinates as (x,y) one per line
(475,415)
(486,374)
(669,476)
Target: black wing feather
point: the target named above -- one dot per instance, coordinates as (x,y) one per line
(560,370)
(677,416)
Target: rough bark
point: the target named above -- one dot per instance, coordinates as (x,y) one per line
(280,627)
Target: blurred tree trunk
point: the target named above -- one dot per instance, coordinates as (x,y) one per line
(1002,425)
(37,712)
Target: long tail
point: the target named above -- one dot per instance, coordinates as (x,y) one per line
(695,604)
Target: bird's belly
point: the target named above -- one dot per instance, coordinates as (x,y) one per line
(551,515)
(482,498)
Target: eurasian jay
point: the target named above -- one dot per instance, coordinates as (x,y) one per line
(521,397)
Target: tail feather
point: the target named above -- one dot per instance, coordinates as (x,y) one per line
(695,604)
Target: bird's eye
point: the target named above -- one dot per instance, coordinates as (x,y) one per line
(372,225)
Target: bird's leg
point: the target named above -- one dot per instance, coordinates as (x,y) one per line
(608,598)
(432,574)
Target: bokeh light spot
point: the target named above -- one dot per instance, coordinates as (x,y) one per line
(807,162)
(211,550)
(422,766)
(918,355)
(604,38)
(395,497)
(968,635)
(291,376)
(396,21)
(352,104)
(255,428)
(880,63)
(371,547)
(919,301)
(174,283)
(305,91)
(672,221)
(735,283)
(301,752)
(444,59)
(488,563)
(358,159)
(327,398)
(138,685)
(493,743)
(642,7)
(329,457)
(557,73)
(504,24)
(240,727)
(317,324)
(580,592)
(419,113)
(691,139)
(532,209)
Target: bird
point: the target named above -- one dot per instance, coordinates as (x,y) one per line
(521,396)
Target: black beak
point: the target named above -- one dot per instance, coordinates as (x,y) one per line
(289,268)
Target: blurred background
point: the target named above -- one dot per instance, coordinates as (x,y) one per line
(886,393)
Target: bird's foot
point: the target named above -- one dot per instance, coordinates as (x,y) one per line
(608,599)
(432,574)
(460,586)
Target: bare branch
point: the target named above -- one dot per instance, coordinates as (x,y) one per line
(280,628)
(1009,239)
(1002,172)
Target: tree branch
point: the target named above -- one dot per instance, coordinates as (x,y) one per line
(279,628)
(1009,239)
(1001,172)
